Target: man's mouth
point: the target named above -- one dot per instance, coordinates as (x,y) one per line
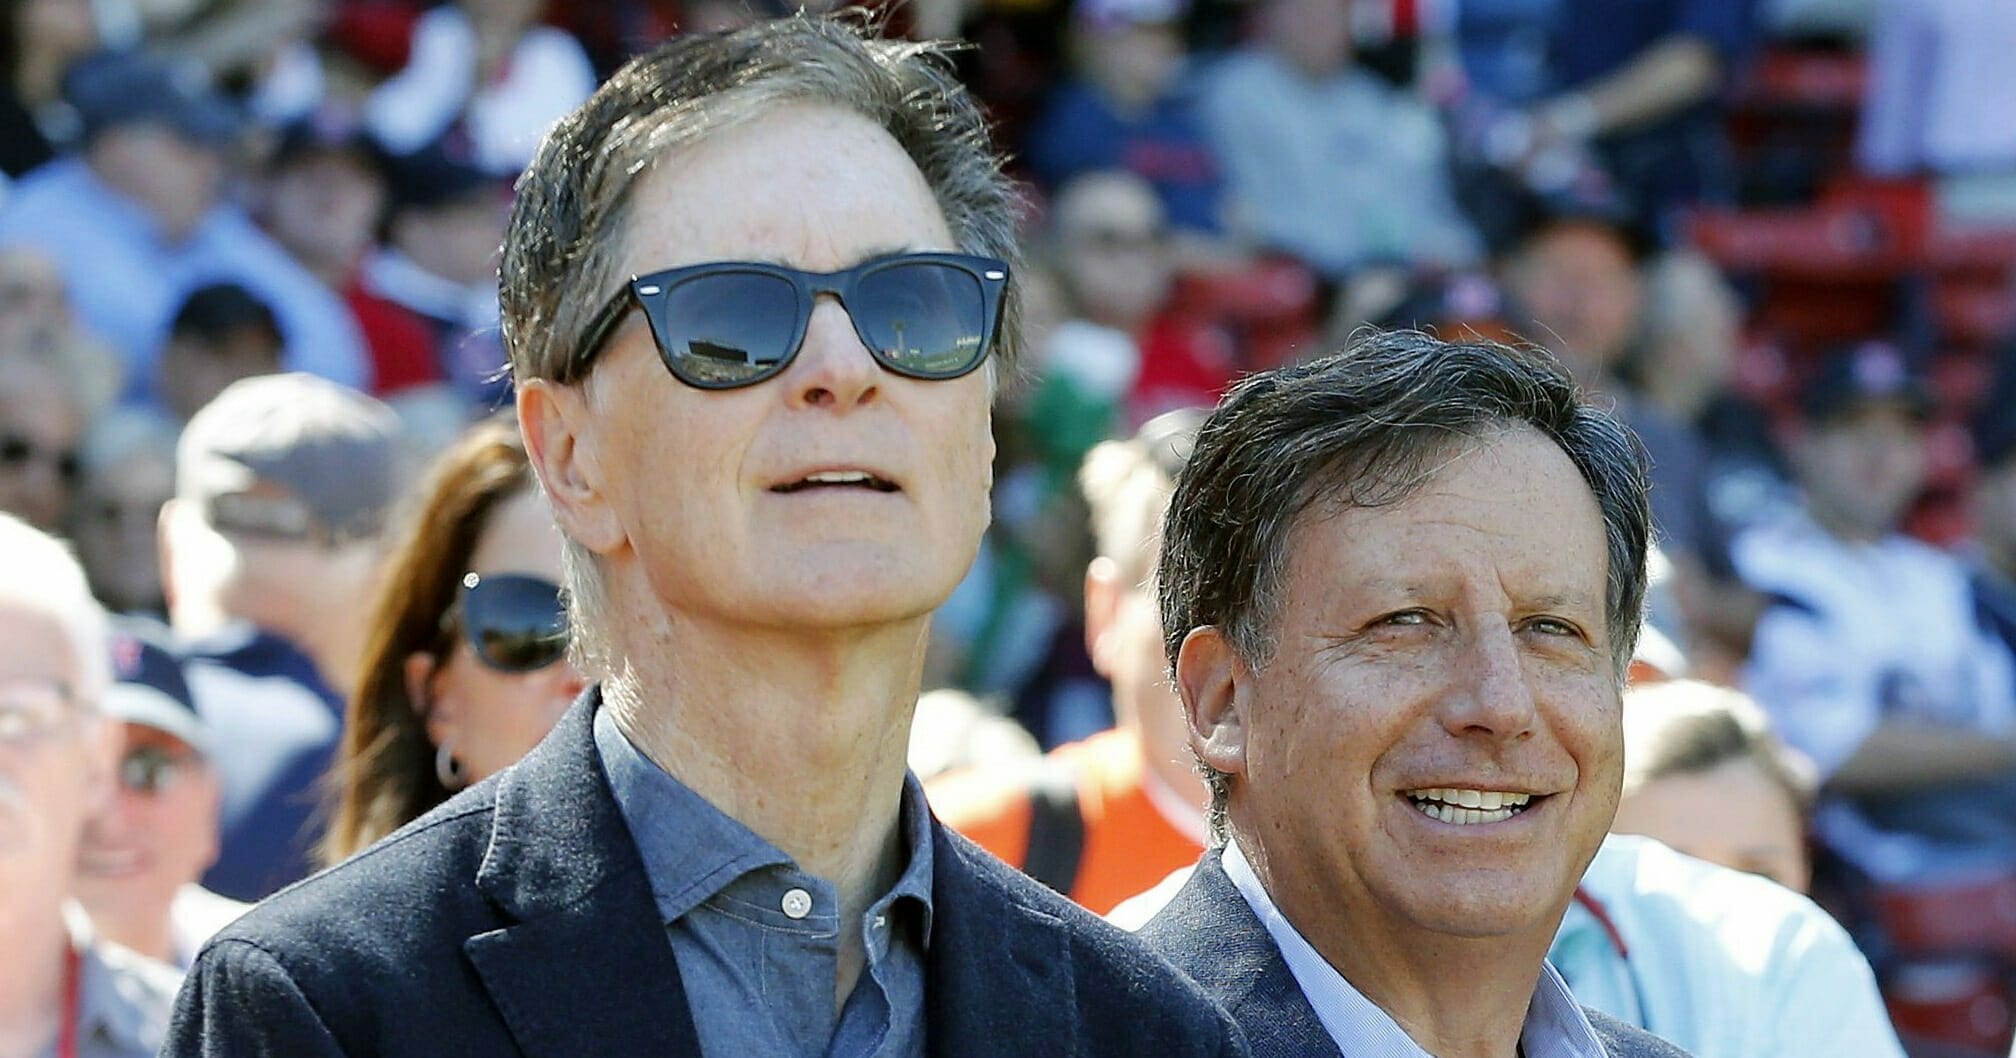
(837,479)
(1463,807)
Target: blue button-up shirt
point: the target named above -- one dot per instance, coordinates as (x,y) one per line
(1555,1025)
(757,939)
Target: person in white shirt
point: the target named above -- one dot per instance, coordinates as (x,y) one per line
(1400,588)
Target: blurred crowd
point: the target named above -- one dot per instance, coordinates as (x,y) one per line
(250,368)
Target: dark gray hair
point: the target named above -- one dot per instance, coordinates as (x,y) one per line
(1363,428)
(565,240)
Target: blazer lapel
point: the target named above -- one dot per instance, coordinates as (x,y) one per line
(1211,934)
(584,968)
(998,970)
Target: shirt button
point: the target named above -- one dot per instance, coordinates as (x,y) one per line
(797,903)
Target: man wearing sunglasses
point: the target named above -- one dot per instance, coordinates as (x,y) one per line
(64,990)
(750,294)
(143,853)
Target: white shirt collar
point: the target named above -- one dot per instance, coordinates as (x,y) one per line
(1555,1025)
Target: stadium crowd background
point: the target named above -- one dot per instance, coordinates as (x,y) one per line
(1779,234)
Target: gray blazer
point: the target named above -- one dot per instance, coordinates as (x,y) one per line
(1210,933)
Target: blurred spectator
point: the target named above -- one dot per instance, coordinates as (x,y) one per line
(1829,21)
(143,853)
(325,198)
(271,546)
(1721,962)
(1103,819)
(440,263)
(40,426)
(36,322)
(1704,774)
(1869,657)
(1995,514)
(1638,83)
(1325,161)
(1940,87)
(1578,276)
(464,669)
(55,770)
(485,72)
(39,39)
(126,473)
(359,44)
(1122,108)
(138,221)
(222,333)
(1503,47)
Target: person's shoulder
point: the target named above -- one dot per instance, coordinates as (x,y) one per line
(1674,901)
(382,910)
(129,995)
(1622,1040)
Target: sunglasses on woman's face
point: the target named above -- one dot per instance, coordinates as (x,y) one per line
(512,622)
(737,323)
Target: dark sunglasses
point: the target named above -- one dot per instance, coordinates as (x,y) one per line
(737,323)
(16,449)
(152,769)
(512,622)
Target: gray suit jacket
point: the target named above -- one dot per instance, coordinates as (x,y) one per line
(1210,933)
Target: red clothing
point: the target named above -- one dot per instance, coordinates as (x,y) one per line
(402,345)
(1129,845)
(1186,362)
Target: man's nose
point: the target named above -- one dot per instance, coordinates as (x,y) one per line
(833,369)
(1490,695)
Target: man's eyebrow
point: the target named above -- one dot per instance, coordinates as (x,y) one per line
(1562,600)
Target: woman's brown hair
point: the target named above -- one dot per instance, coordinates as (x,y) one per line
(384,775)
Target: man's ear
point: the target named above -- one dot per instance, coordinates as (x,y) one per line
(1103,592)
(555,420)
(1211,680)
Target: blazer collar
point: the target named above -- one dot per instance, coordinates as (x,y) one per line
(999,972)
(584,967)
(1210,933)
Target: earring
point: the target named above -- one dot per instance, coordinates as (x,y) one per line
(447,769)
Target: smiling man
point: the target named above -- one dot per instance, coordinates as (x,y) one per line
(1400,587)
(750,293)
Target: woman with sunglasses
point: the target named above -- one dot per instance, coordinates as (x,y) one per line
(465,669)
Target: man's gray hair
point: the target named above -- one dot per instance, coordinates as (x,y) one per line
(40,574)
(566,239)
(1367,427)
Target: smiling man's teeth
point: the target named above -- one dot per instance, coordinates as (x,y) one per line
(1463,806)
(838,477)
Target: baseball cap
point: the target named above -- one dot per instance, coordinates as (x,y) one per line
(292,457)
(330,130)
(1114,14)
(150,689)
(433,176)
(1869,372)
(110,89)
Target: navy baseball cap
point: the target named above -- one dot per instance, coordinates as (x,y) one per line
(150,689)
(1871,372)
(110,89)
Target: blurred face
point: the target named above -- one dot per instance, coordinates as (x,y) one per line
(490,718)
(52,757)
(65,28)
(324,209)
(1133,64)
(195,369)
(1861,469)
(158,834)
(113,524)
(1435,748)
(33,302)
(1582,288)
(38,455)
(456,240)
(1116,256)
(1124,629)
(1732,814)
(718,499)
(1313,35)
(176,179)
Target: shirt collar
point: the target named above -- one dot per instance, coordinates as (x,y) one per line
(693,850)
(1555,1024)
(105,1010)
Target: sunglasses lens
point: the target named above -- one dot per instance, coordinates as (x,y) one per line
(923,318)
(516,624)
(728,328)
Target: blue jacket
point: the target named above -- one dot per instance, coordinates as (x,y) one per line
(1210,933)
(516,919)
